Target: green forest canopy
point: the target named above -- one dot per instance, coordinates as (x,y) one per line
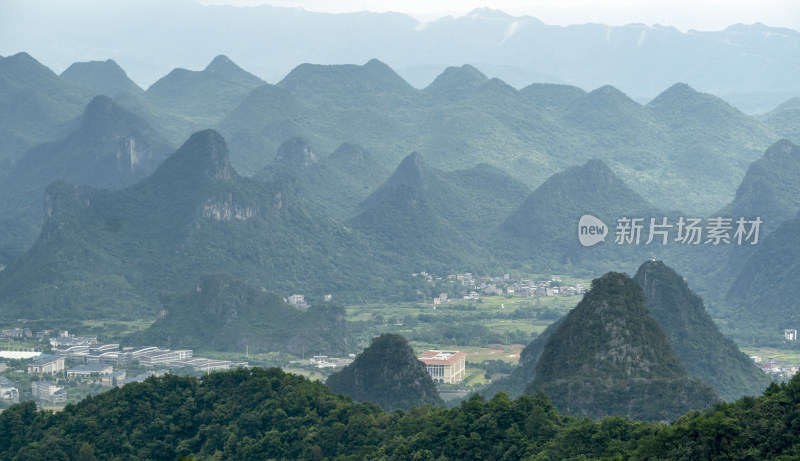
(262,414)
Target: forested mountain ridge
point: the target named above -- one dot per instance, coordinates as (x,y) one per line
(670,150)
(111,148)
(769,189)
(198,210)
(261,413)
(768,194)
(764,293)
(388,373)
(441,217)
(101,77)
(225,314)
(463,118)
(337,184)
(754,64)
(703,350)
(37,104)
(115,250)
(174,102)
(473,133)
(543,228)
(610,357)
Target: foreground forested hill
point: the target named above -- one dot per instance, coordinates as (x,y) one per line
(264,414)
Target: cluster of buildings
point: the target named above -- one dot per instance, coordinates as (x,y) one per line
(772,367)
(299,301)
(16,334)
(89,351)
(323,361)
(8,391)
(83,358)
(473,287)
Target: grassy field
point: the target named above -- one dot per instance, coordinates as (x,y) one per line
(782,356)
(506,319)
(500,327)
(18,345)
(312,375)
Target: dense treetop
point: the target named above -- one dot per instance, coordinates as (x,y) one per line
(263,414)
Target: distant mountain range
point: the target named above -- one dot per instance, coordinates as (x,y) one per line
(111,252)
(38,106)
(684,150)
(111,148)
(356,163)
(299,226)
(754,65)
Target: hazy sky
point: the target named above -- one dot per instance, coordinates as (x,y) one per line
(682,14)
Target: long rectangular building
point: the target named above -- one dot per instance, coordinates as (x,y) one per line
(445,366)
(163,356)
(50,365)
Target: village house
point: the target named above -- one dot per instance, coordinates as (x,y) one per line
(472,296)
(298,301)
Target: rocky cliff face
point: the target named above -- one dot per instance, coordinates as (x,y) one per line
(226,209)
(61,205)
(132,154)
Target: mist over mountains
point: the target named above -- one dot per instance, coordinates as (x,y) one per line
(288,184)
(353,161)
(754,66)
(684,150)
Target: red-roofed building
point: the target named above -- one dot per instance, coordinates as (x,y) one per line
(445,366)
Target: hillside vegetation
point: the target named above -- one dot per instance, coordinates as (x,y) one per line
(610,357)
(262,414)
(388,373)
